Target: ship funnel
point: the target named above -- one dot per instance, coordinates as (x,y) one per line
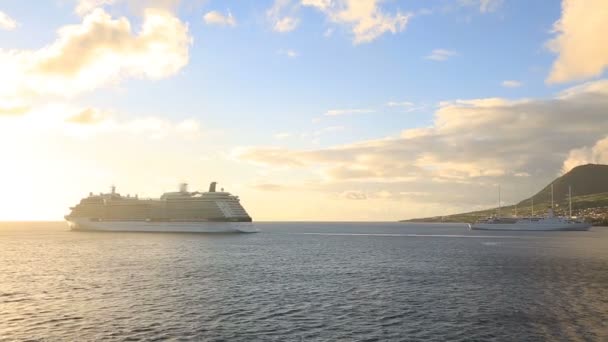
(183,187)
(212,186)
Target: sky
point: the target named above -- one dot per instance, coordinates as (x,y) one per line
(322,110)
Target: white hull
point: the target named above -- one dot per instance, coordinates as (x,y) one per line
(531,226)
(164,227)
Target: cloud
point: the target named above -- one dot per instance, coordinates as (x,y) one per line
(289,53)
(286,24)
(100,51)
(364,18)
(13,110)
(472,145)
(268,187)
(580,41)
(484,6)
(353,195)
(282,135)
(511,84)
(336,112)
(329,129)
(87,116)
(6,22)
(383,195)
(282,22)
(399,104)
(406,106)
(441,55)
(86,6)
(13,107)
(61,118)
(320,4)
(217,18)
(596,154)
(93,122)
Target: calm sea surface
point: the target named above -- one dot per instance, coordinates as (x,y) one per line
(304,282)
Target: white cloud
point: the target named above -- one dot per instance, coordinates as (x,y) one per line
(289,53)
(441,55)
(580,42)
(100,51)
(320,4)
(353,195)
(87,116)
(471,145)
(268,187)
(511,84)
(596,154)
(6,22)
(406,106)
(329,129)
(217,18)
(286,24)
(399,104)
(336,112)
(13,107)
(89,122)
(484,6)
(364,17)
(282,135)
(86,6)
(281,15)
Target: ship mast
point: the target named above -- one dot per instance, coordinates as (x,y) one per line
(570,200)
(499,200)
(532,205)
(551,196)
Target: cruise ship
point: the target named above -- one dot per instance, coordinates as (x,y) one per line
(181,211)
(534,223)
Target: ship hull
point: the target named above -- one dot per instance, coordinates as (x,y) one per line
(532,227)
(85,224)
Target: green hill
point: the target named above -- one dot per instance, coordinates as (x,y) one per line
(589,198)
(585,180)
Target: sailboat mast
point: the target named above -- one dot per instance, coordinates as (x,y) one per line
(532,205)
(570,200)
(499,200)
(551,196)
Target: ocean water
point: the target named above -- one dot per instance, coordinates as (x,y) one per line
(304,282)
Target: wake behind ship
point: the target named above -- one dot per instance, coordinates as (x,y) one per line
(181,211)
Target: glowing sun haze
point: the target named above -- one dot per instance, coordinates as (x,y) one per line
(306,109)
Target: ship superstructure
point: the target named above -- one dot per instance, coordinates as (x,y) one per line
(180,211)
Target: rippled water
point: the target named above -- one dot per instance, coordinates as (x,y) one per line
(304,282)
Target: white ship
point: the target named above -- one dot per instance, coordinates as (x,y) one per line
(547,223)
(181,211)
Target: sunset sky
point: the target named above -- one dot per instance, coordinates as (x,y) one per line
(306,109)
